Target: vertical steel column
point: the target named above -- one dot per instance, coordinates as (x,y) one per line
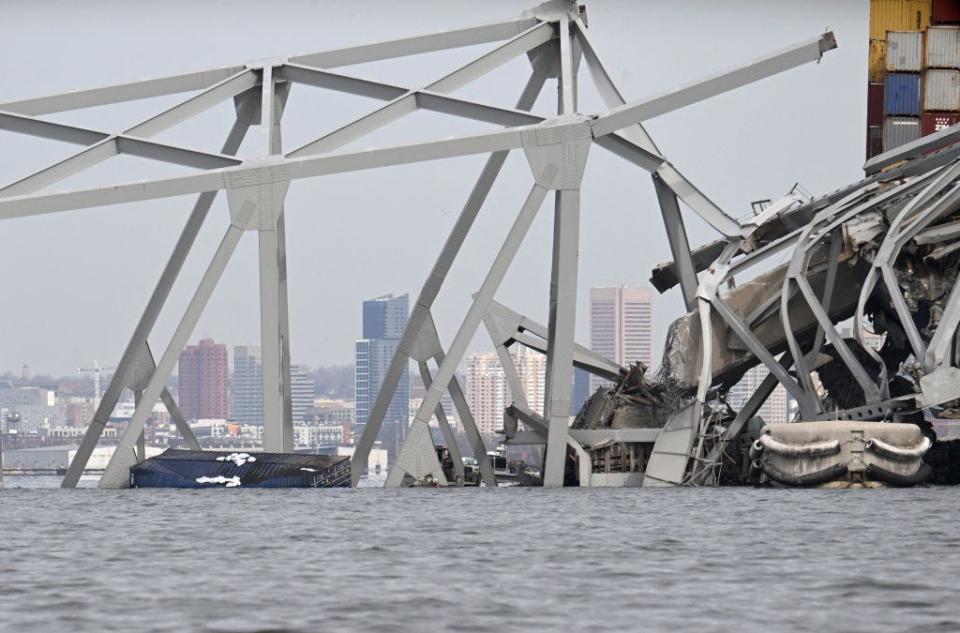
(563,293)
(431,288)
(277,422)
(148,319)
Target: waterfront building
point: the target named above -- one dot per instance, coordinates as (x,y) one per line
(247,386)
(203,379)
(384,319)
(301,393)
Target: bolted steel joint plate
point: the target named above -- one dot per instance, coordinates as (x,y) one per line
(557,151)
(255,196)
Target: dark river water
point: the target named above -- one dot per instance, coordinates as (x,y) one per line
(478,560)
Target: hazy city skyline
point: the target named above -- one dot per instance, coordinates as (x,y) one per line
(83,277)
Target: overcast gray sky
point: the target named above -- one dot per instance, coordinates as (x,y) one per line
(74,284)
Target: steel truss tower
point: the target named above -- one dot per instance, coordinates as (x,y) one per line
(555,38)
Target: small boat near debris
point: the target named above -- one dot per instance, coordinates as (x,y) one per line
(176,468)
(841,454)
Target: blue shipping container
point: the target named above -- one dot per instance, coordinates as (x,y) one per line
(902,94)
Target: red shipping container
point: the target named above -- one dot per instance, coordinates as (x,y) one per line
(874,104)
(946,12)
(932,122)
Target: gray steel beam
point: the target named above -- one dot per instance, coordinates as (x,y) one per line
(698,202)
(339,82)
(431,288)
(117,93)
(277,422)
(117,474)
(428,43)
(197,104)
(205,78)
(148,319)
(179,421)
(23,124)
(469,427)
(129,142)
(444,424)
(608,90)
(679,245)
(213,180)
(764,355)
(833,260)
(566,85)
(769,65)
(562,323)
(943,340)
(407,103)
(426,99)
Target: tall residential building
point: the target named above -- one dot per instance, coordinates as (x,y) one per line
(247,386)
(203,379)
(488,393)
(384,319)
(774,411)
(301,393)
(621,325)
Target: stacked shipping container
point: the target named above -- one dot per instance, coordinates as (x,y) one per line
(914,70)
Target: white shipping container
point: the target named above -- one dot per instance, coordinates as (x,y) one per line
(941,90)
(898,130)
(904,51)
(943,47)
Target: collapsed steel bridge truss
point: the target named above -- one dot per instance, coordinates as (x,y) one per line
(555,38)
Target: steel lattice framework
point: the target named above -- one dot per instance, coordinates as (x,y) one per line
(555,37)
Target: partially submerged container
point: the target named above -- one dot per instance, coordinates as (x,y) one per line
(176,468)
(841,454)
(943,47)
(902,94)
(898,130)
(941,90)
(904,51)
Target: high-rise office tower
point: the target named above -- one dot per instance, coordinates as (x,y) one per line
(203,381)
(621,325)
(247,386)
(301,393)
(384,319)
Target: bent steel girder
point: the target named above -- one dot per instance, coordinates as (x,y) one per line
(556,149)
